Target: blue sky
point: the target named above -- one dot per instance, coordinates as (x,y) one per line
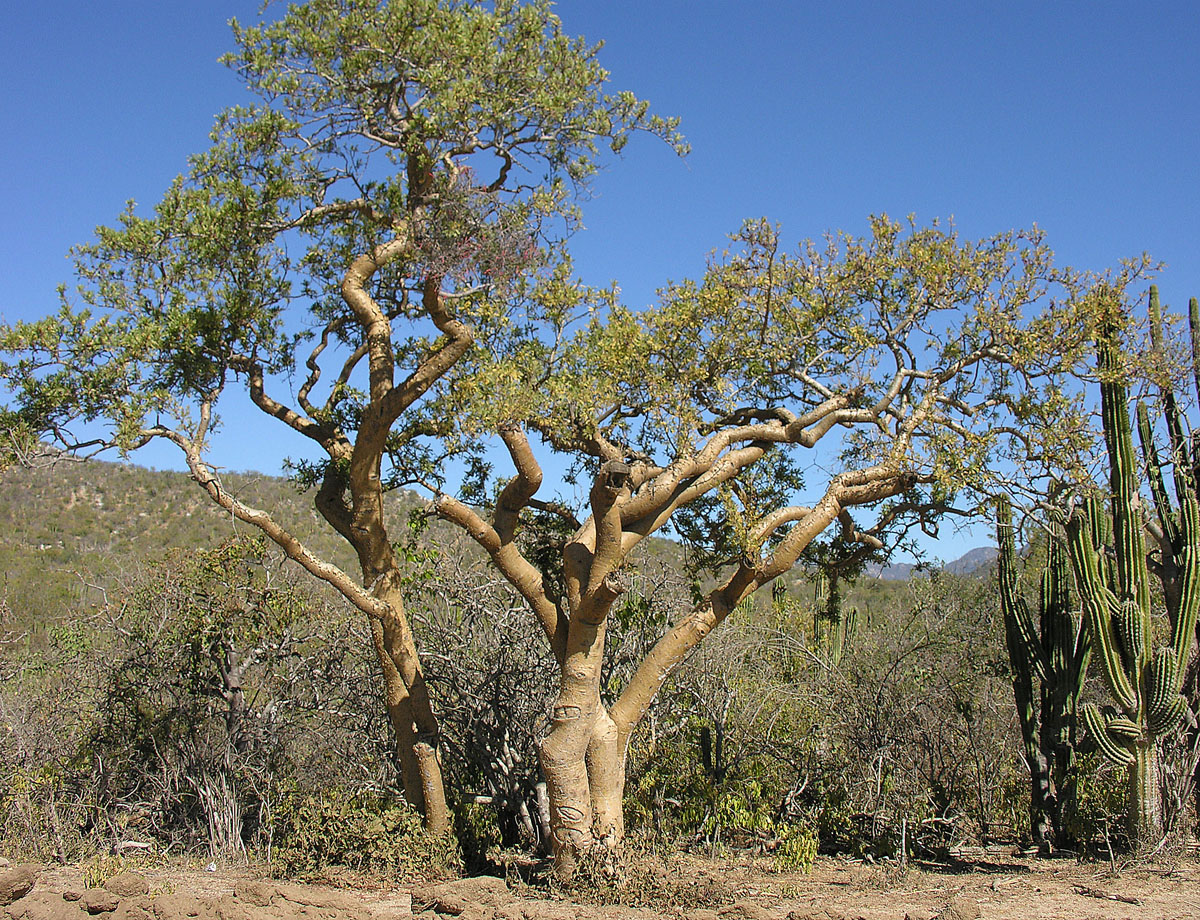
(1081,117)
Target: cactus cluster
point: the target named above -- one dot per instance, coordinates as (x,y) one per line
(833,627)
(1049,664)
(1114,580)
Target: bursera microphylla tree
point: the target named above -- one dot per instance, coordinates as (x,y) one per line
(343,243)
(908,363)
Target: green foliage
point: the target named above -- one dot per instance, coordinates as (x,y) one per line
(1102,802)
(675,798)
(339,829)
(455,132)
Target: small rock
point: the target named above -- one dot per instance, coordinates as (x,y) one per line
(134,908)
(960,908)
(16,883)
(454,897)
(72,894)
(128,885)
(99,901)
(745,910)
(260,894)
(325,898)
(919,913)
(45,905)
(180,907)
(230,908)
(549,910)
(397,907)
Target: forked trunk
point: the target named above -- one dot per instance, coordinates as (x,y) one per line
(583,760)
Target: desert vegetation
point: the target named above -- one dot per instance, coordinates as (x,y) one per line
(558,579)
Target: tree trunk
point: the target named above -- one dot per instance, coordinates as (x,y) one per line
(572,751)
(410,712)
(400,715)
(1145,798)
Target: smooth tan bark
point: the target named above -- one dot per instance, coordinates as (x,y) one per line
(352,502)
(400,716)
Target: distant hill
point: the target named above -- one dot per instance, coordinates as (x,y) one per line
(970,563)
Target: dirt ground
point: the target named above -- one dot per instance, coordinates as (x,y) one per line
(683,887)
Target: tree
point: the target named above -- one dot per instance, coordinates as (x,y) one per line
(348,238)
(912,345)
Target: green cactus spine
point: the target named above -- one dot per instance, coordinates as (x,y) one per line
(1144,682)
(1049,665)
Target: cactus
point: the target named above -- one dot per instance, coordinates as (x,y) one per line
(833,626)
(1145,682)
(1049,665)
(1172,564)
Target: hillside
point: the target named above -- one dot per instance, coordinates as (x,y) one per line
(69,531)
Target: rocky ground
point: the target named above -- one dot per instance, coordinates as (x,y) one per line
(682,888)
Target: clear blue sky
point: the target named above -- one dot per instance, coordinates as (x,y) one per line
(1083,117)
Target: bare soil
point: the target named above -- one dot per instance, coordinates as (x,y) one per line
(681,887)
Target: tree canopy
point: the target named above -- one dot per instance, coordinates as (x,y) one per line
(916,368)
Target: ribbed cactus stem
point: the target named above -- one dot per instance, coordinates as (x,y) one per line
(1099,607)
(1130,544)
(1183,627)
(1048,669)
(1145,681)
(1194,327)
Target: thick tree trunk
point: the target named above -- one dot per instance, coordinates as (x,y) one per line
(583,760)
(578,717)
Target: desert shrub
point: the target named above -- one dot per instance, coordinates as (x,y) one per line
(909,733)
(1099,820)
(174,713)
(674,798)
(46,712)
(336,829)
(492,680)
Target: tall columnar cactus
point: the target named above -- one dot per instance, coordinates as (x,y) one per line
(1049,664)
(1144,679)
(1170,541)
(834,628)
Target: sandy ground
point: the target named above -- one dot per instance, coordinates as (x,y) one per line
(681,887)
